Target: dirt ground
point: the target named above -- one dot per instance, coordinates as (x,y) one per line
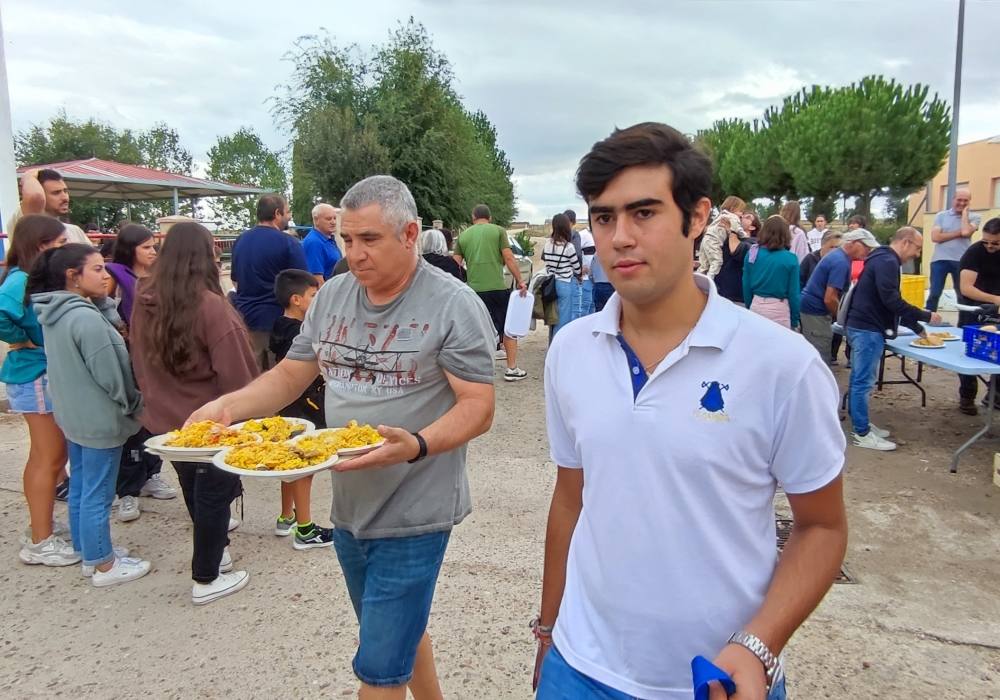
(923,620)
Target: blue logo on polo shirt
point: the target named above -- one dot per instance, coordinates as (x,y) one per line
(713,407)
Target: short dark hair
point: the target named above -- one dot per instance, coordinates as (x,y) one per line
(48,175)
(269,205)
(649,143)
(992,226)
(288,283)
(775,233)
(481,211)
(571,215)
(859,220)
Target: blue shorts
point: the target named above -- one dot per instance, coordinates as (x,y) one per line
(31,397)
(560,681)
(391,582)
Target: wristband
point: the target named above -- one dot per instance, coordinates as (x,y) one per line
(422,451)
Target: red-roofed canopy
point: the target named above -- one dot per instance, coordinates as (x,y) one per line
(105,179)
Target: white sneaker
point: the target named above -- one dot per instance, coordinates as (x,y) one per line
(156,487)
(128,509)
(86,570)
(233,524)
(500,355)
(871,441)
(60,528)
(225,584)
(514,374)
(881,432)
(123,570)
(226,565)
(52,551)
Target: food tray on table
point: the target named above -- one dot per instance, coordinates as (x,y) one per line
(271,460)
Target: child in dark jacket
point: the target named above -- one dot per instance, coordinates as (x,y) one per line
(295,290)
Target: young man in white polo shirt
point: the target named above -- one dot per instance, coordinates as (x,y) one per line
(660,544)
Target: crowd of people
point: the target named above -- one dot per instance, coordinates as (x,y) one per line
(402,330)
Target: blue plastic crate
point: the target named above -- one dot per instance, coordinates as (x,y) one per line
(982,345)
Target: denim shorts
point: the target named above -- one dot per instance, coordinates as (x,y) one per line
(31,397)
(391,582)
(560,681)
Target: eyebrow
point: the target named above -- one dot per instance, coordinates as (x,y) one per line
(631,206)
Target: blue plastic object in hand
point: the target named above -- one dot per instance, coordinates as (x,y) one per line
(703,672)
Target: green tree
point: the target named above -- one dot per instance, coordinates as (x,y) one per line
(394,110)
(242,158)
(63,139)
(861,139)
(718,143)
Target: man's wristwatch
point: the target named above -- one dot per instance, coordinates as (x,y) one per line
(760,650)
(421,448)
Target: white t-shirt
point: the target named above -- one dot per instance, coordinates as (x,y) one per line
(587,241)
(815,238)
(675,546)
(74,234)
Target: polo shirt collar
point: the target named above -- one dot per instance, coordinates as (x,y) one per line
(715,327)
(320,233)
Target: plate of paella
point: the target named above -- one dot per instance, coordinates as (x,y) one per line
(288,460)
(276,428)
(201,439)
(351,440)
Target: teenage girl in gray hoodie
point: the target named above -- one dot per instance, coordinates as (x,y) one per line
(94,398)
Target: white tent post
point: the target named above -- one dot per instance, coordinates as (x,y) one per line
(177,203)
(8,169)
(953,154)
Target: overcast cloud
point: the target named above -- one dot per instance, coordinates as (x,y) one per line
(553,76)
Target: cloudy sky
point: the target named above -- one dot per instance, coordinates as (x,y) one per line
(554,76)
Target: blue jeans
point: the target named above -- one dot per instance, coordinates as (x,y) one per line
(565,298)
(560,681)
(391,582)
(939,273)
(602,292)
(586,299)
(866,353)
(91,493)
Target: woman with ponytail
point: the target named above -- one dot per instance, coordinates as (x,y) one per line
(25,374)
(94,398)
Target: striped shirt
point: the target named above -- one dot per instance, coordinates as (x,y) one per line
(561,260)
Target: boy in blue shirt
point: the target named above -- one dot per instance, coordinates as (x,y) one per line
(295,290)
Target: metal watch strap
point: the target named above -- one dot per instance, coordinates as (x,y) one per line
(760,650)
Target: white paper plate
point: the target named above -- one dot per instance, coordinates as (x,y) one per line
(926,347)
(219,460)
(344,451)
(156,444)
(307,425)
(952,339)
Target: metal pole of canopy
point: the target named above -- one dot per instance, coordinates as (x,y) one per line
(177,203)
(953,156)
(8,170)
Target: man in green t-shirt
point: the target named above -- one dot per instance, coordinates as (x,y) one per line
(485,250)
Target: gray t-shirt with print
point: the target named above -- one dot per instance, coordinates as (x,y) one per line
(385,365)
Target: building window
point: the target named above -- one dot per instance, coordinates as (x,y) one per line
(996,193)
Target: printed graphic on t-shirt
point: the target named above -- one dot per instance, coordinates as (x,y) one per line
(712,407)
(371,358)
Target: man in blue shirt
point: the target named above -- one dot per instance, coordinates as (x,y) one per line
(259,254)
(322,253)
(827,284)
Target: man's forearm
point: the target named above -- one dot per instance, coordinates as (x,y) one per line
(32,194)
(808,565)
(562,521)
(975,294)
(267,394)
(469,418)
(515,271)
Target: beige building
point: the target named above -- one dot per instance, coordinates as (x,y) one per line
(978,171)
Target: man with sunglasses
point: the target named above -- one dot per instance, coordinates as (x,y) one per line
(876,310)
(979,276)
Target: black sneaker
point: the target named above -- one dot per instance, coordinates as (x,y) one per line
(968,407)
(312,537)
(62,490)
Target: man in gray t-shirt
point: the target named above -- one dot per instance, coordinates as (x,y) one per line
(952,234)
(409,349)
